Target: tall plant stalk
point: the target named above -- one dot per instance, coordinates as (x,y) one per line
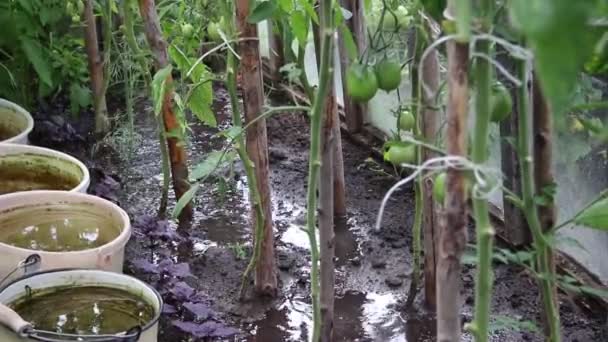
(541,246)
(326,32)
(484,229)
(129,33)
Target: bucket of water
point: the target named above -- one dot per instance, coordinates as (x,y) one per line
(79,305)
(43,230)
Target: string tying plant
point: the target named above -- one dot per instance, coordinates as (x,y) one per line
(485,177)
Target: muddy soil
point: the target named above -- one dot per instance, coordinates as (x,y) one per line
(373,267)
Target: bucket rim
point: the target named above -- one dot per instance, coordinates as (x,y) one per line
(28,117)
(157,295)
(14,148)
(120,240)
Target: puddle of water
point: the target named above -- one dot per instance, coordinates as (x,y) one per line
(358,317)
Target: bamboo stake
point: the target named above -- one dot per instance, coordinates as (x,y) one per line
(177,152)
(453,235)
(257,145)
(543,175)
(96,70)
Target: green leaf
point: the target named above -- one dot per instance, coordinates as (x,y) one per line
(158,88)
(349,43)
(80,97)
(184,200)
(558,34)
(286,5)
(212,162)
(35,55)
(262,11)
(299,27)
(200,102)
(595,216)
(499,323)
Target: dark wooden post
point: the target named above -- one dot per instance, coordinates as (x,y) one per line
(542,125)
(453,235)
(177,152)
(516,228)
(257,144)
(102,124)
(353,111)
(338,158)
(430,125)
(276,56)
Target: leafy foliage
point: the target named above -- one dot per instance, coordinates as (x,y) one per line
(595,216)
(186,308)
(559,34)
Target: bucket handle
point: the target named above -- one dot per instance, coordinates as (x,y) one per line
(29,265)
(13,321)
(131,335)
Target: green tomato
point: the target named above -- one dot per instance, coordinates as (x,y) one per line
(361,82)
(439,188)
(501,103)
(388,74)
(69,7)
(407,120)
(187,29)
(80,6)
(401,154)
(213,31)
(399,19)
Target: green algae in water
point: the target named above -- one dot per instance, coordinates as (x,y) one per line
(11,123)
(27,171)
(86,310)
(7,132)
(56,229)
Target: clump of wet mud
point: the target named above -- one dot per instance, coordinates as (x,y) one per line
(373,267)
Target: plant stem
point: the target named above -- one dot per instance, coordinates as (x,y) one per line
(530,209)
(162,141)
(326,31)
(484,229)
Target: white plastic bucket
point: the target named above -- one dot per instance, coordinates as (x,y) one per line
(15,121)
(109,257)
(47,160)
(15,329)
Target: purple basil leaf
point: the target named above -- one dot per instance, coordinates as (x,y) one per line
(169,309)
(200,311)
(181,270)
(145,266)
(181,291)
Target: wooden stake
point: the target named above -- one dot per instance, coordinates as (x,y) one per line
(177,152)
(354,112)
(453,235)
(257,145)
(102,124)
(430,120)
(326,218)
(543,158)
(276,56)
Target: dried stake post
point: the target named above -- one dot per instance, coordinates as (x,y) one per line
(177,152)
(326,218)
(339,195)
(453,234)
(430,120)
(354,112)
(542,130)
(96,70)
(256,142)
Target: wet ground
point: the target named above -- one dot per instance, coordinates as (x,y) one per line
(373,268)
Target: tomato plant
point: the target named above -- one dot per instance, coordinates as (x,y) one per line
(361,82)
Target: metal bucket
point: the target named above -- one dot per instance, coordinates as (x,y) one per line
(15,123)
(33,205)
(27,166)
(14,329)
